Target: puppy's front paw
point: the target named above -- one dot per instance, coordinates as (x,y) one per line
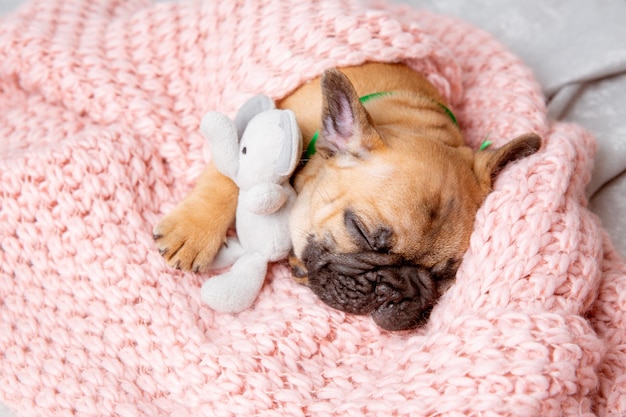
(190,236)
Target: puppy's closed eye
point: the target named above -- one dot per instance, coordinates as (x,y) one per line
(380,240)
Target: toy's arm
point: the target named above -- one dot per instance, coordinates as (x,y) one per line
(264,198)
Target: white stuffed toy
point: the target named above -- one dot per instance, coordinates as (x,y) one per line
(258,151)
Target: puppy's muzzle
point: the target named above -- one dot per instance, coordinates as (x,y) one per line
(398,294)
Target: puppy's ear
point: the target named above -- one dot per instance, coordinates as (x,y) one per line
(346,125)
(489,163)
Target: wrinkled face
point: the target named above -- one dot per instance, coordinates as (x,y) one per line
(384,216)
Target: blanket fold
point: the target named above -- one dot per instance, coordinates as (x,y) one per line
(100,104)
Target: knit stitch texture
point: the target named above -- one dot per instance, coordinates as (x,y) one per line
(100,104)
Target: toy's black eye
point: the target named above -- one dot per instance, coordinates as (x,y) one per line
(244,150)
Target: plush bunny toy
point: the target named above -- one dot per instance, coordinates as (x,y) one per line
(259,151)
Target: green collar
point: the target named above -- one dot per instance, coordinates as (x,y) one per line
(310,150)
(369,97)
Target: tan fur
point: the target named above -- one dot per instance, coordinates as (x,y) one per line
(191,234)
(407,169)
(306,101)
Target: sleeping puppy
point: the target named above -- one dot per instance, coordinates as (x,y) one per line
(386,203)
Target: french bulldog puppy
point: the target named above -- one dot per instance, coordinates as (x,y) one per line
(387,195)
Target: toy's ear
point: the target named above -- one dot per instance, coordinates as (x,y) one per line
(222,134)
(253,106)
(292,144)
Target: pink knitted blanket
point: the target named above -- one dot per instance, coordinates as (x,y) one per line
(100,103)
